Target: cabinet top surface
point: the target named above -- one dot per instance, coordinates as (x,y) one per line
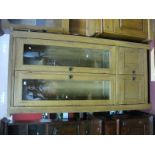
(80,39)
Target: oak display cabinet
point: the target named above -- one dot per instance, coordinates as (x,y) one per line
(66,73)
(133,29)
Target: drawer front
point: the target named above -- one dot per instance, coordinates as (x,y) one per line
(90,127)
(17,129)
(42,89)
(131,60)
(84,127)
(63,129)
(95,127)
(47,55)
(130,90)
(37,129)
(134,127)
(110,127)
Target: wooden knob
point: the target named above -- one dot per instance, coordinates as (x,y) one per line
(70,69)
(133,71)
(133,78)
(70,76)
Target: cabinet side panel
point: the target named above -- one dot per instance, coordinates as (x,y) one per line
(4,59)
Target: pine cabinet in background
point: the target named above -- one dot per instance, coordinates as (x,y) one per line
(132,29)
(137,28)
(45,25)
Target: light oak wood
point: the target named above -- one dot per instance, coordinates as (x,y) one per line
(137,99)
(132,76)
(79,108)
(129,90)
(108,25)
(131,60)
(79,39)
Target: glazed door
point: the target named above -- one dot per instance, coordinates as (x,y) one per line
(45,89)
(131,27)
(131,60)
(130,89)
(47,55)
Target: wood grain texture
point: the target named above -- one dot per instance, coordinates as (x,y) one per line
(129,91)
(79,39)
(79,108)
(131,60)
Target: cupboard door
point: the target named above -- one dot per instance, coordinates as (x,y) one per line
(47,55)
(131,60)
(130,90)
(58,89)
(137,28)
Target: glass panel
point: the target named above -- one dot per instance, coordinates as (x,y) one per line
(66,56)
(38,22)
(65,90)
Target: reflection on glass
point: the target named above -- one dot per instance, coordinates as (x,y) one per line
(65,56)
(65,90)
